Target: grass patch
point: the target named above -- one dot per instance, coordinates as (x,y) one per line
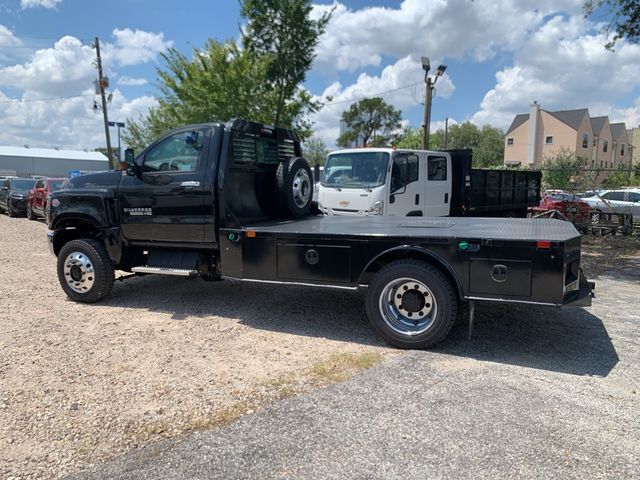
(342,366)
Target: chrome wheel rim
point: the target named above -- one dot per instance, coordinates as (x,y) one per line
(78,272)
(301,188)
(408,306)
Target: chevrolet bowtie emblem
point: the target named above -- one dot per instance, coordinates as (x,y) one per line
(344,204)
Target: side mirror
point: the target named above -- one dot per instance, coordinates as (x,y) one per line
(129,162)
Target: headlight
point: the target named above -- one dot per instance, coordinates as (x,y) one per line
(376,209)
(17,196)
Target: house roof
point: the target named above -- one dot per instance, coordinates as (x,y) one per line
(51,153)
(519,120)
(573,118)
(617,129)
(597,124)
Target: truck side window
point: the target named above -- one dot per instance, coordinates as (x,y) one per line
(177,153)
(437,167)
(404,171)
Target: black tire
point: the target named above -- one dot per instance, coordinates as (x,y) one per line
(432,297)
(30,214)
(99,270)
(295,187)
(10,210)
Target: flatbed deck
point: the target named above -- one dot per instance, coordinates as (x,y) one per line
(515,229)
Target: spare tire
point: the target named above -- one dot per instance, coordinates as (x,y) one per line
(295,187)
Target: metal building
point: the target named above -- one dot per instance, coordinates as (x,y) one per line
(49,162)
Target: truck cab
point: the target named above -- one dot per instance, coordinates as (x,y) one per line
(385,181)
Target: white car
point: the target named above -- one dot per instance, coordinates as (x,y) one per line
(617,201)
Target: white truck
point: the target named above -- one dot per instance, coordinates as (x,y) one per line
(401,182)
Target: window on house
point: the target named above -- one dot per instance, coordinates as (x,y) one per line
(622,149)
(548,140)
(585,140)
(605,146)
(600,163)
(509,141)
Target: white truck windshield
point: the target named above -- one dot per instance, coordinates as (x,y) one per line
(355,170)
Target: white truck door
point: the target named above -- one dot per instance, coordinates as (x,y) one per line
(406,190)
(438,185)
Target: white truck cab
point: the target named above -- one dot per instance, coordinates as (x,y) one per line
(386,181)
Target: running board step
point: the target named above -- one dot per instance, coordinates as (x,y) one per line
(178,272)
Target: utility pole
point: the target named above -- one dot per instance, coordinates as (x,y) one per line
(102,83)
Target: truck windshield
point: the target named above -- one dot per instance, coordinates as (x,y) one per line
(355,170)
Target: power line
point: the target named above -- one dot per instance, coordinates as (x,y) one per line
(373,94)
(46,99)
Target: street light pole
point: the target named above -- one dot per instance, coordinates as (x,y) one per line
(119,125)
(429,84)
(426,65)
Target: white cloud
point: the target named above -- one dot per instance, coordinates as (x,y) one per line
(7,38)
(135,46)
(436,28)
(67,70)
(562,65)
(39,3)
(65,123)
(132,82)
(390,85)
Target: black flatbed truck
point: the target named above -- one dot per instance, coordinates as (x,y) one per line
(234,201)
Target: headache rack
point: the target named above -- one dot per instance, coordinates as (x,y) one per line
(254,143)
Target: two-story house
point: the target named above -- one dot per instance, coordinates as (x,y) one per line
(542,134)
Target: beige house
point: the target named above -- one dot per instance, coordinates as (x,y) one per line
(621,150)
(541,134)
(633,135)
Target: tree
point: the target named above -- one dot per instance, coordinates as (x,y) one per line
(623,19)
(567,171)
(369,119)
(224,81)
(283,33)
(315,150)
(411,138)
(487,142)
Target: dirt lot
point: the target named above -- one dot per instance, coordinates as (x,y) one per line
(161,357)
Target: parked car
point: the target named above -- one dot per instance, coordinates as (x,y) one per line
(13,195)
(572,207)
(37,199)
(617,201)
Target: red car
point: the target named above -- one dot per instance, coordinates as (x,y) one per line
(572,207)
(37,198)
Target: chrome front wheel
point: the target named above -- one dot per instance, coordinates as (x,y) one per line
(78,272)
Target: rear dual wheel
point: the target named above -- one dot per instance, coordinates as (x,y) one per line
(411,304)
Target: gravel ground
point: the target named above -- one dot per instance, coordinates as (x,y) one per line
(538,393)
(161,357)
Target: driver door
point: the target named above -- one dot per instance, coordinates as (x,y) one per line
(405,191)
(165,201)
